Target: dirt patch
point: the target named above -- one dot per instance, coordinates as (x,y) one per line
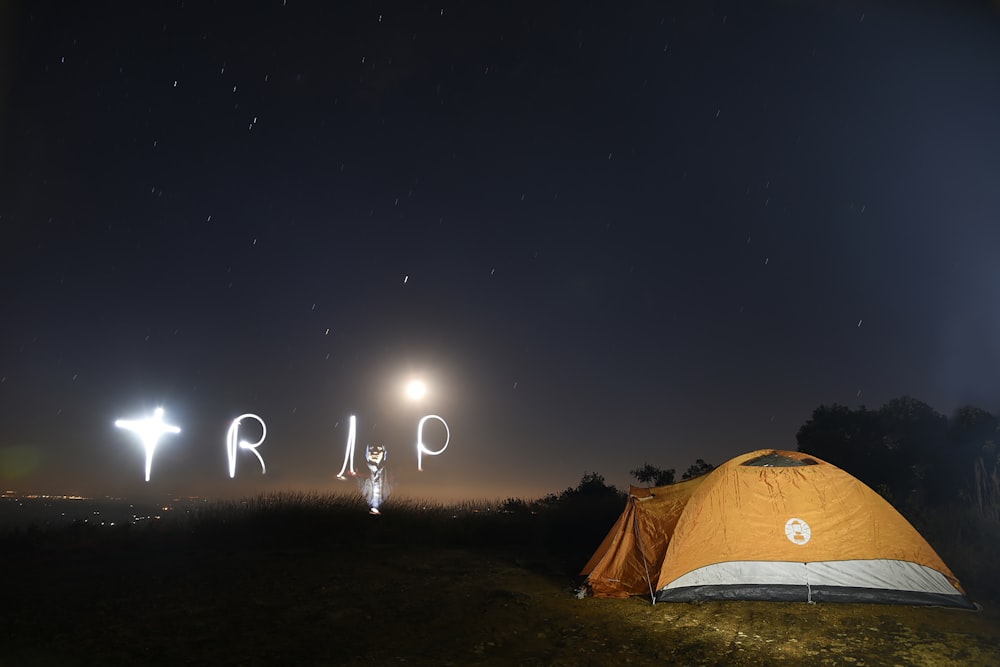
(380,605)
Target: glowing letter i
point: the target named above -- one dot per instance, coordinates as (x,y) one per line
(349,452)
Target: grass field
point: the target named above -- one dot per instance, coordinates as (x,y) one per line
(314,580)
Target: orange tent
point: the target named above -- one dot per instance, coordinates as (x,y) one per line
(769,525)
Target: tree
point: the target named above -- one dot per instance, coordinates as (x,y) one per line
(895,450)
(912,435)
(849,439)
(578,518)
(840,435)
(971,446)
(650,474)
(592,488)
(699,467)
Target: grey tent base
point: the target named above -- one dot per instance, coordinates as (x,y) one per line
(798,593)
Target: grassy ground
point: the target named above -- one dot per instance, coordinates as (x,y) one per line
(311,583)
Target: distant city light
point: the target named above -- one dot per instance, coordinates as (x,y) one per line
(150,431)
(233,443)
(349,452)
(421,448)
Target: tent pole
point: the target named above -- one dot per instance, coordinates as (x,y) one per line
(642,550)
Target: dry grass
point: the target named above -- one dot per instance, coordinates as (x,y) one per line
(312,579)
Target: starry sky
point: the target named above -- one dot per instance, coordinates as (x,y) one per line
(602,233)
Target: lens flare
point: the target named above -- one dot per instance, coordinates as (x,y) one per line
(233,443)
(349,452)
(150,431)
(421,448)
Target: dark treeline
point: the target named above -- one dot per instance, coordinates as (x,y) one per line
(650,474)
(941,473)
(911,454)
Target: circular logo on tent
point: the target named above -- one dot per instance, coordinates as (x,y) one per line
(797,531)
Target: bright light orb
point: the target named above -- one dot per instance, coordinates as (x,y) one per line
(233,443)
(421,448)
(150,431)
(416,389)
(349,452)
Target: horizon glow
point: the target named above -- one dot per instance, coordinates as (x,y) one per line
(349,452)
(149,430)
(421,448)
(233,443)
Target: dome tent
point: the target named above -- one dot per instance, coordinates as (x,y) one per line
(769,525)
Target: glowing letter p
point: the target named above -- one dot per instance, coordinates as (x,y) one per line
(421,448)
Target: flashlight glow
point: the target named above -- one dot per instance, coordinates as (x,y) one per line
(421,448)
(349,452)
(150,431)
(233,443)
(416,389)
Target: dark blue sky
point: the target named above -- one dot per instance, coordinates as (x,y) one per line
(604,235)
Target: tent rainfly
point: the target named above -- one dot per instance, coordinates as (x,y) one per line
(769,525)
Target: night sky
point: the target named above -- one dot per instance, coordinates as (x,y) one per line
(601,234)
